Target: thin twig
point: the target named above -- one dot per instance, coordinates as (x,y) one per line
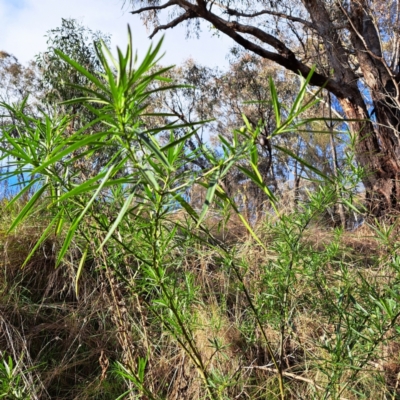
(293,376)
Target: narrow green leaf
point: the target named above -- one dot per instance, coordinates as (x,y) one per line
(224,197)
(86,186)
(24,190)
(275,102)
(256,178)
(149,59)
(254,154)
(187,206)
(17,151)
(227,166)
(349,204)
(75,224)
(123,395)
(73,147)
(84,100)
(42,238)
(96,94)
(303,162)
(156,114)
(149,176)
(119,218)
(152,145)
(247,122)
(80,269)
(212,186)
(28,207)
(177,141)
(82,70)
(225,142)
(60,223)
(174,125)
(302,92)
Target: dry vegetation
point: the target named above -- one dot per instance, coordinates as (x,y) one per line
(66,347)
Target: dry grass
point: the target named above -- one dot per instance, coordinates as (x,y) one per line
(66,345)
(57,338)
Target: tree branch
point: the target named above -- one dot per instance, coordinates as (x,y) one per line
(185,16)
(376,51)
(342,88)
(236,13)
(261,35)
(156,8)
(285,57)
(336,53)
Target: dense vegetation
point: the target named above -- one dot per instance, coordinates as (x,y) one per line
(142,261)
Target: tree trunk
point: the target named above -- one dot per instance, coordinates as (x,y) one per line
(378,154)
(340,208)
(378,146)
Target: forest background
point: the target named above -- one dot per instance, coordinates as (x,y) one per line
(193,232)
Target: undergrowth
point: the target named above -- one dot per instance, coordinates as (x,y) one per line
(328,312)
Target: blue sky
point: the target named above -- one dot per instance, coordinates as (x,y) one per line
(18,4)
(24,23)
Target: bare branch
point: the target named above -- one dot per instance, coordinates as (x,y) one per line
(293,376)
(336,53)
(285,57)
(155,8)
(185,16)
(236,13)
(293,29)
(362,39)
(261,35)
(396,46)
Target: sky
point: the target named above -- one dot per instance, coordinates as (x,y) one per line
(23,24)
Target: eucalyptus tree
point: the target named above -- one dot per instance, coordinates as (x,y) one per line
(356,46)
(17,80)
(59,81)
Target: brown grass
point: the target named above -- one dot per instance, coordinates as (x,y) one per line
(72,343)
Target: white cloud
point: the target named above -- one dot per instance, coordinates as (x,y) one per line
(25,22)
